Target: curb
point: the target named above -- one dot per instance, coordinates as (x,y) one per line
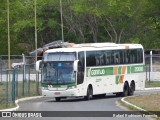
(154,88)
(130,104)
(136,107)
(20,100)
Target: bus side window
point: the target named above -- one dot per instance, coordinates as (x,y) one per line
(117,57)
(126,56)
(97,60)
(137,56)
(131,56)
(107,59)
(102,59)
(122,57)
(140,56)
(80,73)
(90,58)
(134,56)
(112,58)
(81,58)
(81,68)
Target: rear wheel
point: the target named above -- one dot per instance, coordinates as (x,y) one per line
(58,99)
(89,93)
(125,90)
(131,89)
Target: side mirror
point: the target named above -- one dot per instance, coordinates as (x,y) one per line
(75,65)
(38,65)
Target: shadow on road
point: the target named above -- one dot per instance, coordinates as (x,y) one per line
(81,99)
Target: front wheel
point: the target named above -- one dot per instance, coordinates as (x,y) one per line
(89,93)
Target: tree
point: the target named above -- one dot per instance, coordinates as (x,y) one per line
(116,21)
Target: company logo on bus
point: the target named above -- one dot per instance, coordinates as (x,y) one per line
(96,72)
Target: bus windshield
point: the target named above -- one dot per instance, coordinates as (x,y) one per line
(58,72)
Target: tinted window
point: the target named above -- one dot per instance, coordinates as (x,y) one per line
(114,57)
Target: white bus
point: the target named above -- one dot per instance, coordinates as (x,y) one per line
(92,69)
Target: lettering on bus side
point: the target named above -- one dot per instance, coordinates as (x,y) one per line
(96,72)
(138,69)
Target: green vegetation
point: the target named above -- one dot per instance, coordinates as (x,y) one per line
(120,21)
(148,102)
(149,84)
(6,94)
(3,105)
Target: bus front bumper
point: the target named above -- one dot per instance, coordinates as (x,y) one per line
(65,93)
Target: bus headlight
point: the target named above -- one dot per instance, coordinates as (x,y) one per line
(71,87)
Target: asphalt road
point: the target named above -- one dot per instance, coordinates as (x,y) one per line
(95,107)
(108,103)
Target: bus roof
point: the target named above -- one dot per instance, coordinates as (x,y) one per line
(95,46)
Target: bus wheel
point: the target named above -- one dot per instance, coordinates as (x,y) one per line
(89,93)
(58,99)
(125,89)
(131,89)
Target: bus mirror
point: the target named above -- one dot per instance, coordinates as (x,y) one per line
(75,67)
(38,65)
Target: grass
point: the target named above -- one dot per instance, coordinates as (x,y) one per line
(150,103)
(4,105)
(6,94)
(147,102)
(149,84)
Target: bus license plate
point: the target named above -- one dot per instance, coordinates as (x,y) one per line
(57,93)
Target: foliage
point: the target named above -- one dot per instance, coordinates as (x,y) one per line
(120,21)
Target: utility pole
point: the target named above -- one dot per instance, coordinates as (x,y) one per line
(9,59)
(35,19)
(61,20)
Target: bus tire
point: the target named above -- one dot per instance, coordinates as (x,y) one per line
(89,93)
(58,99)
(125,89)
(131,88)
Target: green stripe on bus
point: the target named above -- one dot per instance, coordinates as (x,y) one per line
(117,79)
(90,72)
(119,70)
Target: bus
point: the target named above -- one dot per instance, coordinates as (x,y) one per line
(92,69)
